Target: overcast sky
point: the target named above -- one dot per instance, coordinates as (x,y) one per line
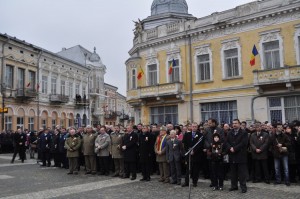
(105,24)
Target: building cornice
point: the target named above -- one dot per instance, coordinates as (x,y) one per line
(211,27)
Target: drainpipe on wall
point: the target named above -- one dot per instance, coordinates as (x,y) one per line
(191,79)
(2,83)
(38,93)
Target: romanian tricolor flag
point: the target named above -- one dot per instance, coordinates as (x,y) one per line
(140,74)
(173,63)
(254,53)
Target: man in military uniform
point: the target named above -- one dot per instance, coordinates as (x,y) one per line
(72,144)
(116,151)
(88,150)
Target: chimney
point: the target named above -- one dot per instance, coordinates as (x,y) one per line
(63,49)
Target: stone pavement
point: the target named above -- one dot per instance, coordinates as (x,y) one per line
(29,180)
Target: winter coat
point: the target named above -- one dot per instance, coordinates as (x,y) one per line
(102,145)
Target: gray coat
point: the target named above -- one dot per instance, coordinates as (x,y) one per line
(102,145)
(261,142)
(174,150)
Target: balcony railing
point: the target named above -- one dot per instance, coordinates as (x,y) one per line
(161,90)
(287,74)
(58,98)
(26,93)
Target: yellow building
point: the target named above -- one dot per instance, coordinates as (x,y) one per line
(212,75)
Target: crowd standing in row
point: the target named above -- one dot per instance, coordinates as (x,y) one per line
(255,153)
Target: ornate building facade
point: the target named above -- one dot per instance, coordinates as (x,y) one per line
(211,75)
(44,89)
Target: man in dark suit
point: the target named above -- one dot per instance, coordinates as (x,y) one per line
(19,139)
(209,132)
(129,147)
(44,146)
(174,153)
(259,143)
(146,148)
(189,140)
(236,146)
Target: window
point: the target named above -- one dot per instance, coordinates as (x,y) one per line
(271,55)
(53,86)
(298,48)
(8,122)
(31,123)
(292,108)
(231,63)
(63,87)
(31,83)
(164,115)
(203,67)
(44,124)
(71,89)
(128,79)
(77,89)
(20,123)
(9,76)
(152,75)
(44,84)
(133,79)
(83,91)
(53,124)
(224,112)
(175,75)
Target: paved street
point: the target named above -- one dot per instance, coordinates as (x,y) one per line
(29,180)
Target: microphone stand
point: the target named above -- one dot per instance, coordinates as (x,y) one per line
(190,158)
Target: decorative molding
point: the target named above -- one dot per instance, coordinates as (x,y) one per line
(268,36)
(297,43)
(247,9)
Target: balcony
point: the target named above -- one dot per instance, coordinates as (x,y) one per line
(58,98)
(81,102)
(26,93)
(110,115)
(160,90)
(95,91)
(287,77)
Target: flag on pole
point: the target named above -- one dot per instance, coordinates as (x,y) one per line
(28,84)
(254,53)
(140,74)
(172,64)
(37,86)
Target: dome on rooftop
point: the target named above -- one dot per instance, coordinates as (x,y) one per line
(169,6)
(95,57)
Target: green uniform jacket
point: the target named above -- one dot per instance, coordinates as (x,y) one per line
(88,144)
(72,145)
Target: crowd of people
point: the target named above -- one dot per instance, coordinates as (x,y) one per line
(261,152)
